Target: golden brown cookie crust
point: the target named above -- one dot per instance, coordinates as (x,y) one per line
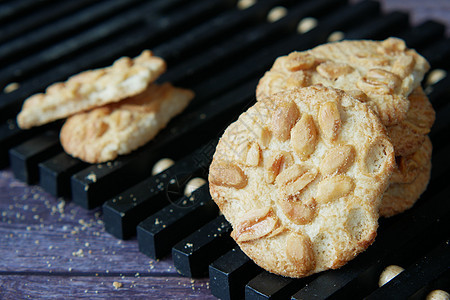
(300,176)
(408,184)
(382,74)
(409,135)
(103,133)
(125,78)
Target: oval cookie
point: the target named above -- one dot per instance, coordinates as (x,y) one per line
(380,73)
(302,197)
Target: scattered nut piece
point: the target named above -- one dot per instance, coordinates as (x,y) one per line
(336,36)
(435,76)
(11,87)
(307,24)
(162,165)
(193,185)
(389,273)
(438,295)
(276,13)
(117,285)
(244,4)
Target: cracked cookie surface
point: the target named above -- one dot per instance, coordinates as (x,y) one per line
(300,176)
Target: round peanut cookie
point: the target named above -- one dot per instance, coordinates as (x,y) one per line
(408,135)
(380,73)
(408,182)
(300,176)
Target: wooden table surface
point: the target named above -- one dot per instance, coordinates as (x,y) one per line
(51,247)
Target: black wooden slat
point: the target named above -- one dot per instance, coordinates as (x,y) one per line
(439,93)
(16,9)
(396,239)
(230,273)
(63,28)
(246,42)
(259,62)
(210,32)
(38,18)
(438,54)
(124,212)
(26,157)
(10,136)
(192,255)
(420,274)
(380,28)
(54,174)
(158,233)
(423,34)
(130,43)
(270,286)
(128,21)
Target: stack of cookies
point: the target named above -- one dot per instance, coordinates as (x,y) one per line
(337,138)
(110,111)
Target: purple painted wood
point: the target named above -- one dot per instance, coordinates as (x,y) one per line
(49,246)
(52,247)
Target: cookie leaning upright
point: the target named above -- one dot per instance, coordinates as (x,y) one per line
(409,180)
(382,74)
(300,176)
(125,78)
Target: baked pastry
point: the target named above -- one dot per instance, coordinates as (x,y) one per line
(409,180)
(408,135)
(125,78)
(379,73)
(300,176)
(103,133)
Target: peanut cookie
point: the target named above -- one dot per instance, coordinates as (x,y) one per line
(105,132)
(300,176)
(408,135)
(382,74)
(125,78)
(408,182)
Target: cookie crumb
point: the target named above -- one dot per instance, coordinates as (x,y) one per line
(79,253)
(117,285)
